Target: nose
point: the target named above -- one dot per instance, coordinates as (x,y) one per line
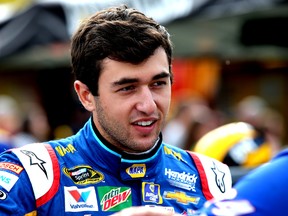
(146,101)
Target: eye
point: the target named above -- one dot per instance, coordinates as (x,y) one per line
(127,88)
(159,83)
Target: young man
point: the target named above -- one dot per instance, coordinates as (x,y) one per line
(122,64)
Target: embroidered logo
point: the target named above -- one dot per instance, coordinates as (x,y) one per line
(136,170)
(11,166)
(182,180)
(151,193)
(80,199)
(114,198)
(169,151)
(63,151)
(3,195)
(84,175)
(181,197)
(34,160)
(219,177)
(7,180)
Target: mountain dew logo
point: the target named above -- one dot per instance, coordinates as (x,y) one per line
(114,198)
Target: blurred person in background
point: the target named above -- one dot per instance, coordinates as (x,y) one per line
(205,119)
(175,131)
(191,120)
(122,64)
(256,111)
(35,123)
(4,141)
(11,122)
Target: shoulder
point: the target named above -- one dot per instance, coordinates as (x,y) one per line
(41,164)
(215,176)
(34,153)
(209,163)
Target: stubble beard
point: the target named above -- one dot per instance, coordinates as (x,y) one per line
(114,133)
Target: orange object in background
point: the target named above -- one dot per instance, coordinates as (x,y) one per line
(195,76)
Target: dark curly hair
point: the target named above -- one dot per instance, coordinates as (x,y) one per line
(119,33)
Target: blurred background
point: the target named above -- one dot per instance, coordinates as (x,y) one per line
(230,65)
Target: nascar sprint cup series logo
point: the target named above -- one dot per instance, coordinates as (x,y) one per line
(83,175)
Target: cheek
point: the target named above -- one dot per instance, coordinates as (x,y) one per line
(166,100)
(115,108)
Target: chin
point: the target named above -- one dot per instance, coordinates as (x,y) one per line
(146,147)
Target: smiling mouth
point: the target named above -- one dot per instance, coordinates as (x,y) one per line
(144,123)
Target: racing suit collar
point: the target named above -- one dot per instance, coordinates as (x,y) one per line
(128,166)
(127,155)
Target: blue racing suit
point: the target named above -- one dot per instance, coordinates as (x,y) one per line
(85,175)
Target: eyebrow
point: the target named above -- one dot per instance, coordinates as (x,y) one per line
(125,81)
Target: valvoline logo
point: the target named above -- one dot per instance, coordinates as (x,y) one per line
(80,199)
(136,170)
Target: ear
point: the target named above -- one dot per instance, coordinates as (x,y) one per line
(84,95)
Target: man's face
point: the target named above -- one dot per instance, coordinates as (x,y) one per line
(133,102)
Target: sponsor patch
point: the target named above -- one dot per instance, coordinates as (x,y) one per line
(114,198)
(176,155)
(219,178)
(3,195)
(136,170)
(11,167)
(35,161)
(181,197)
(151,193)
(64,150)
(7,180)
(80,199)
(182,180)
(84,175)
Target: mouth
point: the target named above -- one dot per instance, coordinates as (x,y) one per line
(146,126)
(145,123)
